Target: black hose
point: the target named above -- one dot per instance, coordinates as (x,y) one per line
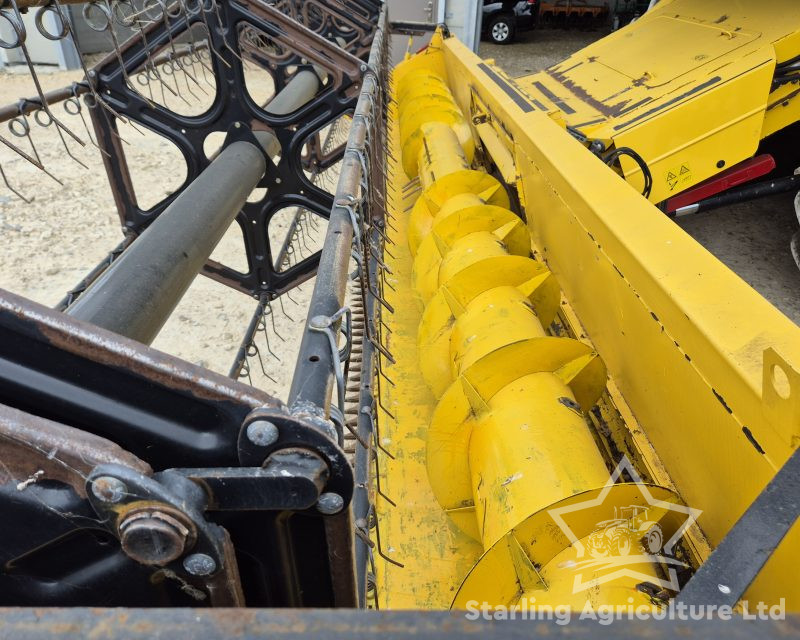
(786,63)
(779,81)
(742,194)
(611,157)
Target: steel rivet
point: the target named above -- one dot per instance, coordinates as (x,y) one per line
(262,433)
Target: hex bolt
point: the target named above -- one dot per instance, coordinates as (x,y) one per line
(199,564)
(262,433)
(330,503)
(153,537)
(109,489)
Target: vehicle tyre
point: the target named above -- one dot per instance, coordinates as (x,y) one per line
(621,542)
(501,29)
(598,544)
(653,538)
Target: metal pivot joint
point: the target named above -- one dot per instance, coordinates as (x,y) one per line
(299,436)
(158,519)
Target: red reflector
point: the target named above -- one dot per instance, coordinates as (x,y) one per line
(745,171)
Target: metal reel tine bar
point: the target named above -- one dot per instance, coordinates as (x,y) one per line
(9,187)
(21,35)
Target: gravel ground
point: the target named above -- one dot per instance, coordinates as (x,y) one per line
(538,49)
(49,244)
(752,238)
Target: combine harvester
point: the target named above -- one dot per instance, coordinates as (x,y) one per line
(520,387)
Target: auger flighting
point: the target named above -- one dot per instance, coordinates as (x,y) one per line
(508,441)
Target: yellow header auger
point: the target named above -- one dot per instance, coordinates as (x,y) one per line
(584,401)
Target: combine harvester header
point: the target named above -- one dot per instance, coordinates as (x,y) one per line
(694,371)
(520,388)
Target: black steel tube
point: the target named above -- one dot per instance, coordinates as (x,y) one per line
(743,194)
(299,91)
(313,374)
(136,295)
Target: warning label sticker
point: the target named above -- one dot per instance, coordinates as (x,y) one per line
(679,177)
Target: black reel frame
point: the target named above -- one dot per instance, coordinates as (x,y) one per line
(286,183)
(144,480)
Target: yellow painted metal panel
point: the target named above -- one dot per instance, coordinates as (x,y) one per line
(716,129)
(688,86)
(631,53)
(683,337)
(783,108)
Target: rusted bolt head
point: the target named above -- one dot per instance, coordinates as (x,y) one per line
(200,564)
(330,503)
(262,433)
(153,537)
(109,489)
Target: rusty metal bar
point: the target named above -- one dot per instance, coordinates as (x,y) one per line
(72,373)
(30,445)
(24,106)
(313,375)
(332,624)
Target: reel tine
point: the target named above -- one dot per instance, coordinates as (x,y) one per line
(12,189)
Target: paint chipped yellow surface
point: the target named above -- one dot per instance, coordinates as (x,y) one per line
(417,533)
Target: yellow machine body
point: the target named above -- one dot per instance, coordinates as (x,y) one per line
(690,86)
(528,350)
